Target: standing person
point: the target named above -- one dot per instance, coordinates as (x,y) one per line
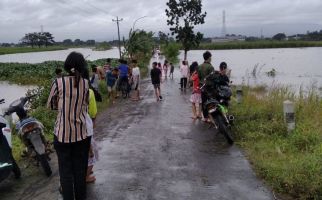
(196,95)
(192,68)
(204,70)
(111,78)
(100,72)
(90,123)
(171,70)
(70,140)
(123,73)
(224,78)
(156,80)
(95,77)
(184,75)
(160,67)
(58,72)
(165,68)
(136,81)
(107,66)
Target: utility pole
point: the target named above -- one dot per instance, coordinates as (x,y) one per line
(117,20)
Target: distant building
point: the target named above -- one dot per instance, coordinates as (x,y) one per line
(229,38)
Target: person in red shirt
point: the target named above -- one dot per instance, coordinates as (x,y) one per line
(196,95)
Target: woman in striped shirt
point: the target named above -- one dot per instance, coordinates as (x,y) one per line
(71,141)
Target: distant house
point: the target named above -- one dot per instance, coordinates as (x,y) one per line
(229,38)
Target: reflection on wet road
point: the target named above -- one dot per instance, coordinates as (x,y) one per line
(153,150)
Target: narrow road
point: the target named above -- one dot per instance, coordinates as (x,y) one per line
(153,150)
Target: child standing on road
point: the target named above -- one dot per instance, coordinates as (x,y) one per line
(196,95)
(171,70)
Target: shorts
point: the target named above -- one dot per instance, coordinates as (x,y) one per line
(195,98)
(111,88)
(156,86)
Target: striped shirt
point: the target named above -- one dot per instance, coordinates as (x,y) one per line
(70,125)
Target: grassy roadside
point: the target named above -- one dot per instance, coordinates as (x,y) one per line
(290,163)
(12,50)
(265,44)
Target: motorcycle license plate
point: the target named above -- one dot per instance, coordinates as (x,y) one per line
(212,110)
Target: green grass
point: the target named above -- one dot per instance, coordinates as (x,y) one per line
(261,44)
(12,50)
(291,163)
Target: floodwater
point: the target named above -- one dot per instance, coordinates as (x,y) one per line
(11,92)
(295,67)
(38,57)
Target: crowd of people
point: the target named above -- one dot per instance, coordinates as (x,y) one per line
(193,77)
(74,97)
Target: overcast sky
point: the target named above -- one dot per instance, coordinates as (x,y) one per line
(92,19)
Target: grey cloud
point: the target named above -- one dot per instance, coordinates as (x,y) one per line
(92,19)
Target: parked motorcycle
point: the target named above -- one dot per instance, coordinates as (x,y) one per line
(7,162)
(30,131)
(217,105)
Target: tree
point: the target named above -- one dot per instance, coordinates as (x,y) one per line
(163,38)
(47,38)
(90,42)
(30,39)
(67,42)
(40,38)
(183,16)
(279,36)
(139,42)
(78,42)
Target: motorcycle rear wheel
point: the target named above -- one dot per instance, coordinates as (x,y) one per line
(44,164)
(222,127)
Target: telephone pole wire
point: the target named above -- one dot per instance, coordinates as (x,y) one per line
(117,20)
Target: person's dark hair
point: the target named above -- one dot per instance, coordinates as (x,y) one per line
(170,63)
(108,60)
(206,55)
(194,66)
(165,62)
(58,71)
(154,64)
(134,61)
(122,61)
(223,66)
(75,65)
(94,69)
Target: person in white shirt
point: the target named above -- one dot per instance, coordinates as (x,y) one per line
(184,70)
(136,81)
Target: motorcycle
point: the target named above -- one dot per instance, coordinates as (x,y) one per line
(218,97)
(7,161)
(30,131)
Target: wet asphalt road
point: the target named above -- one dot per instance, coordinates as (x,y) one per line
(153,150)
